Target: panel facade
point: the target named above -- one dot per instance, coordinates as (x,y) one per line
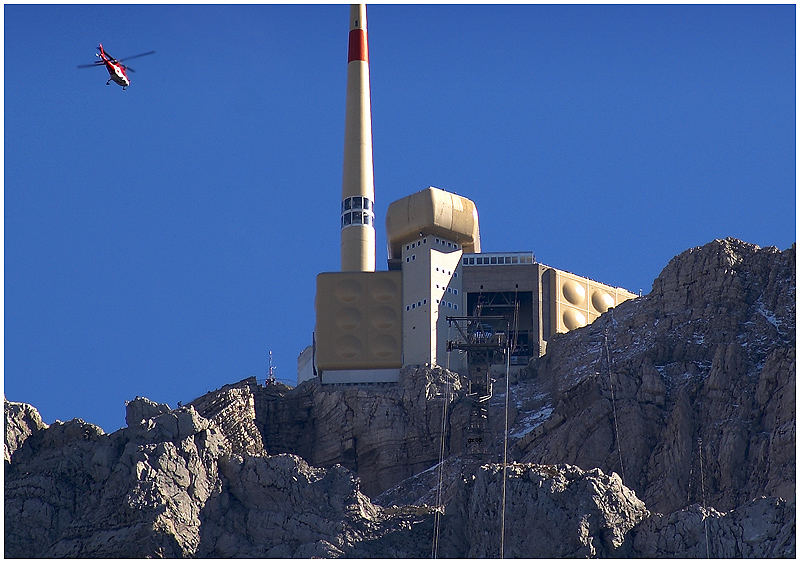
(359,320)
(575,301)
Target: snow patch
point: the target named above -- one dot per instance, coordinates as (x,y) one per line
(531,421)
(769,315)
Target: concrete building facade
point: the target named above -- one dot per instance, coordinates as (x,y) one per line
(432,291)
(369,324)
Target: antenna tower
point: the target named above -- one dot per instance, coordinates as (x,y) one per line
(270,371)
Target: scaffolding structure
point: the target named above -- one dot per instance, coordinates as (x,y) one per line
(487,340)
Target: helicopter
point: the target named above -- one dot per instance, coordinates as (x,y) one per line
(116,70)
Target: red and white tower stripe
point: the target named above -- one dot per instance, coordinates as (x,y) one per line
(358,187)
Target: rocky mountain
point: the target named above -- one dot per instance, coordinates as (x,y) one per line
(664,429)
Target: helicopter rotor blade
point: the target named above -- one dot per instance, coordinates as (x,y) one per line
(136,56)
(96,63)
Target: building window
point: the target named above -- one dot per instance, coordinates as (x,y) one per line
(362,211)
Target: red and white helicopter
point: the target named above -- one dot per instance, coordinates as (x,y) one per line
(116,70)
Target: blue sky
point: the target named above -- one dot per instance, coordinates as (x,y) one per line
(159,241)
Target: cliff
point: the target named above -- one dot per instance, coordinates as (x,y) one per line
(664,429)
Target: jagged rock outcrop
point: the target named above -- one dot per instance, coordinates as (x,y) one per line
(552,511)
(702,370)
(232,408)
(762,528)
(385,433)
(21,420)
(171,486)
(73,491)
(664,429)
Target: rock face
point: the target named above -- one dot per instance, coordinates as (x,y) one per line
(21,421)
(664,429)
(759,529)
(551,512)
(385,433)
(171,486)
(689,392)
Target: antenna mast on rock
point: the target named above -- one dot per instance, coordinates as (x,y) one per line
(270,371)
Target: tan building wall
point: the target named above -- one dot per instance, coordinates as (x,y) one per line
(559,301)
(359,321)
(576,301)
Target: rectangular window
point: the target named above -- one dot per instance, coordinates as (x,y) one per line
(493,260)
(347,218)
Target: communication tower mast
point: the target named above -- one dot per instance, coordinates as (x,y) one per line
(271,371)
